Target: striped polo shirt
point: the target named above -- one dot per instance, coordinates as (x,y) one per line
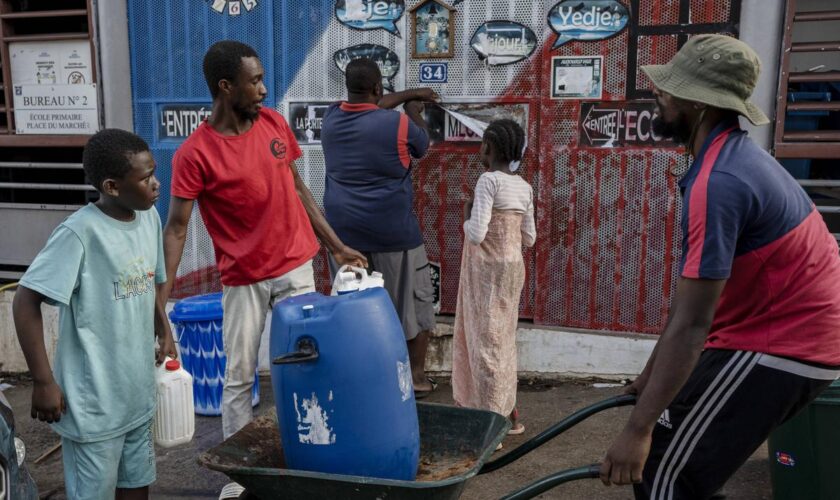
(746,220)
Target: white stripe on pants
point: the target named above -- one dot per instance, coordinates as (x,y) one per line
(245,308)
(697,420)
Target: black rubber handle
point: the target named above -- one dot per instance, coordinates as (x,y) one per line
(557,429)
(307,351)
(542,485)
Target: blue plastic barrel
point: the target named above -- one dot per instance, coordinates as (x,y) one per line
(342,386)
(198,331)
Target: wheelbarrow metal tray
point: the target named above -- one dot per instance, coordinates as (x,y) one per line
(454,444)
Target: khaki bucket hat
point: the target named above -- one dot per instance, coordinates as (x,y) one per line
(717,70)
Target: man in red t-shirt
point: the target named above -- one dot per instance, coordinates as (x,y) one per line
(239,166)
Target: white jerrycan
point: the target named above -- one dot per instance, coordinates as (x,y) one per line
(175,413)
(352,279)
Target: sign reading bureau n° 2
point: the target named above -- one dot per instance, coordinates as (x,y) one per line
(56,109)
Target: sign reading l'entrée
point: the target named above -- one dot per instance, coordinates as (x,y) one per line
(619,124)
(176,121)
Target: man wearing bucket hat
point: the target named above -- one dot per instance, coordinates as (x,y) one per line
(754,328)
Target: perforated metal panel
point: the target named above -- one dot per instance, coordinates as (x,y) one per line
(468,76)
(607,260)
(657,12)
(607,219)
(653,50)
(315,75)
(710,11)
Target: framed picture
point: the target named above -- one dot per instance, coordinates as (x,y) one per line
(433,26)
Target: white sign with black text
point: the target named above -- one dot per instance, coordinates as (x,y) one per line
(51,63)
(56,109)
(574,77)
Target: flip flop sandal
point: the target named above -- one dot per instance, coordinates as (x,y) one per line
(423,394)
(519,429)
(231,491)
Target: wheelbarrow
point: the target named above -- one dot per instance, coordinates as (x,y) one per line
(455,444)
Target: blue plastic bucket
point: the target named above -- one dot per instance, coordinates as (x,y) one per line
(198,331)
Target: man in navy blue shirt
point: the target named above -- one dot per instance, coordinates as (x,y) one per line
(369,199)
(754,330)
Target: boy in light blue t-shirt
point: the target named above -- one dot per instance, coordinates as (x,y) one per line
(101,267)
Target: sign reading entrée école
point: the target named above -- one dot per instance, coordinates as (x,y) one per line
(619,124)
(56,109)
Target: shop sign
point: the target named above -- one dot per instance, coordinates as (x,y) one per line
(370,14)
(503,42)
(56,109)
(619,124)
(587,20)
(445,126)
(385,58)
(576,77)
(233,7)
(306,119)
(178,121)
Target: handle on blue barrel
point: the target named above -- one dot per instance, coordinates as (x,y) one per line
(307,350)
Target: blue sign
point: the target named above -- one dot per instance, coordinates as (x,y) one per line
(587,20)
(387,60)
(434,72)
(370,14)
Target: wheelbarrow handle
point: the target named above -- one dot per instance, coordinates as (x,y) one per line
(544,484)
(557,429)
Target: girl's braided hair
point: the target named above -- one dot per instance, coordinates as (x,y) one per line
(507,139)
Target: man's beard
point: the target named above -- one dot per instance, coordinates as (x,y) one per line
(246,113)
(679,131)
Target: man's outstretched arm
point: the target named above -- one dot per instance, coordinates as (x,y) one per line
(340,252)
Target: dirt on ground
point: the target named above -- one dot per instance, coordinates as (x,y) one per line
(180,476)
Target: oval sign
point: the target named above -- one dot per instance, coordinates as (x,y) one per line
(370,14)
(385,58)
(587,20)
(503,42)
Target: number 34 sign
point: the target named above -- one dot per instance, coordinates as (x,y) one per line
(433,72)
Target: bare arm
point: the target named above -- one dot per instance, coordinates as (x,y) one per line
(340,252)
(672,362)
(414,110)
(47,400)
(174,237)
(394,99)
(166,344)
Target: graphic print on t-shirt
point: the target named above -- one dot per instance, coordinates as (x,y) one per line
(278,149)
(136,280)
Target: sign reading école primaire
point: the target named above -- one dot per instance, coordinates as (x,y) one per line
(56,109)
